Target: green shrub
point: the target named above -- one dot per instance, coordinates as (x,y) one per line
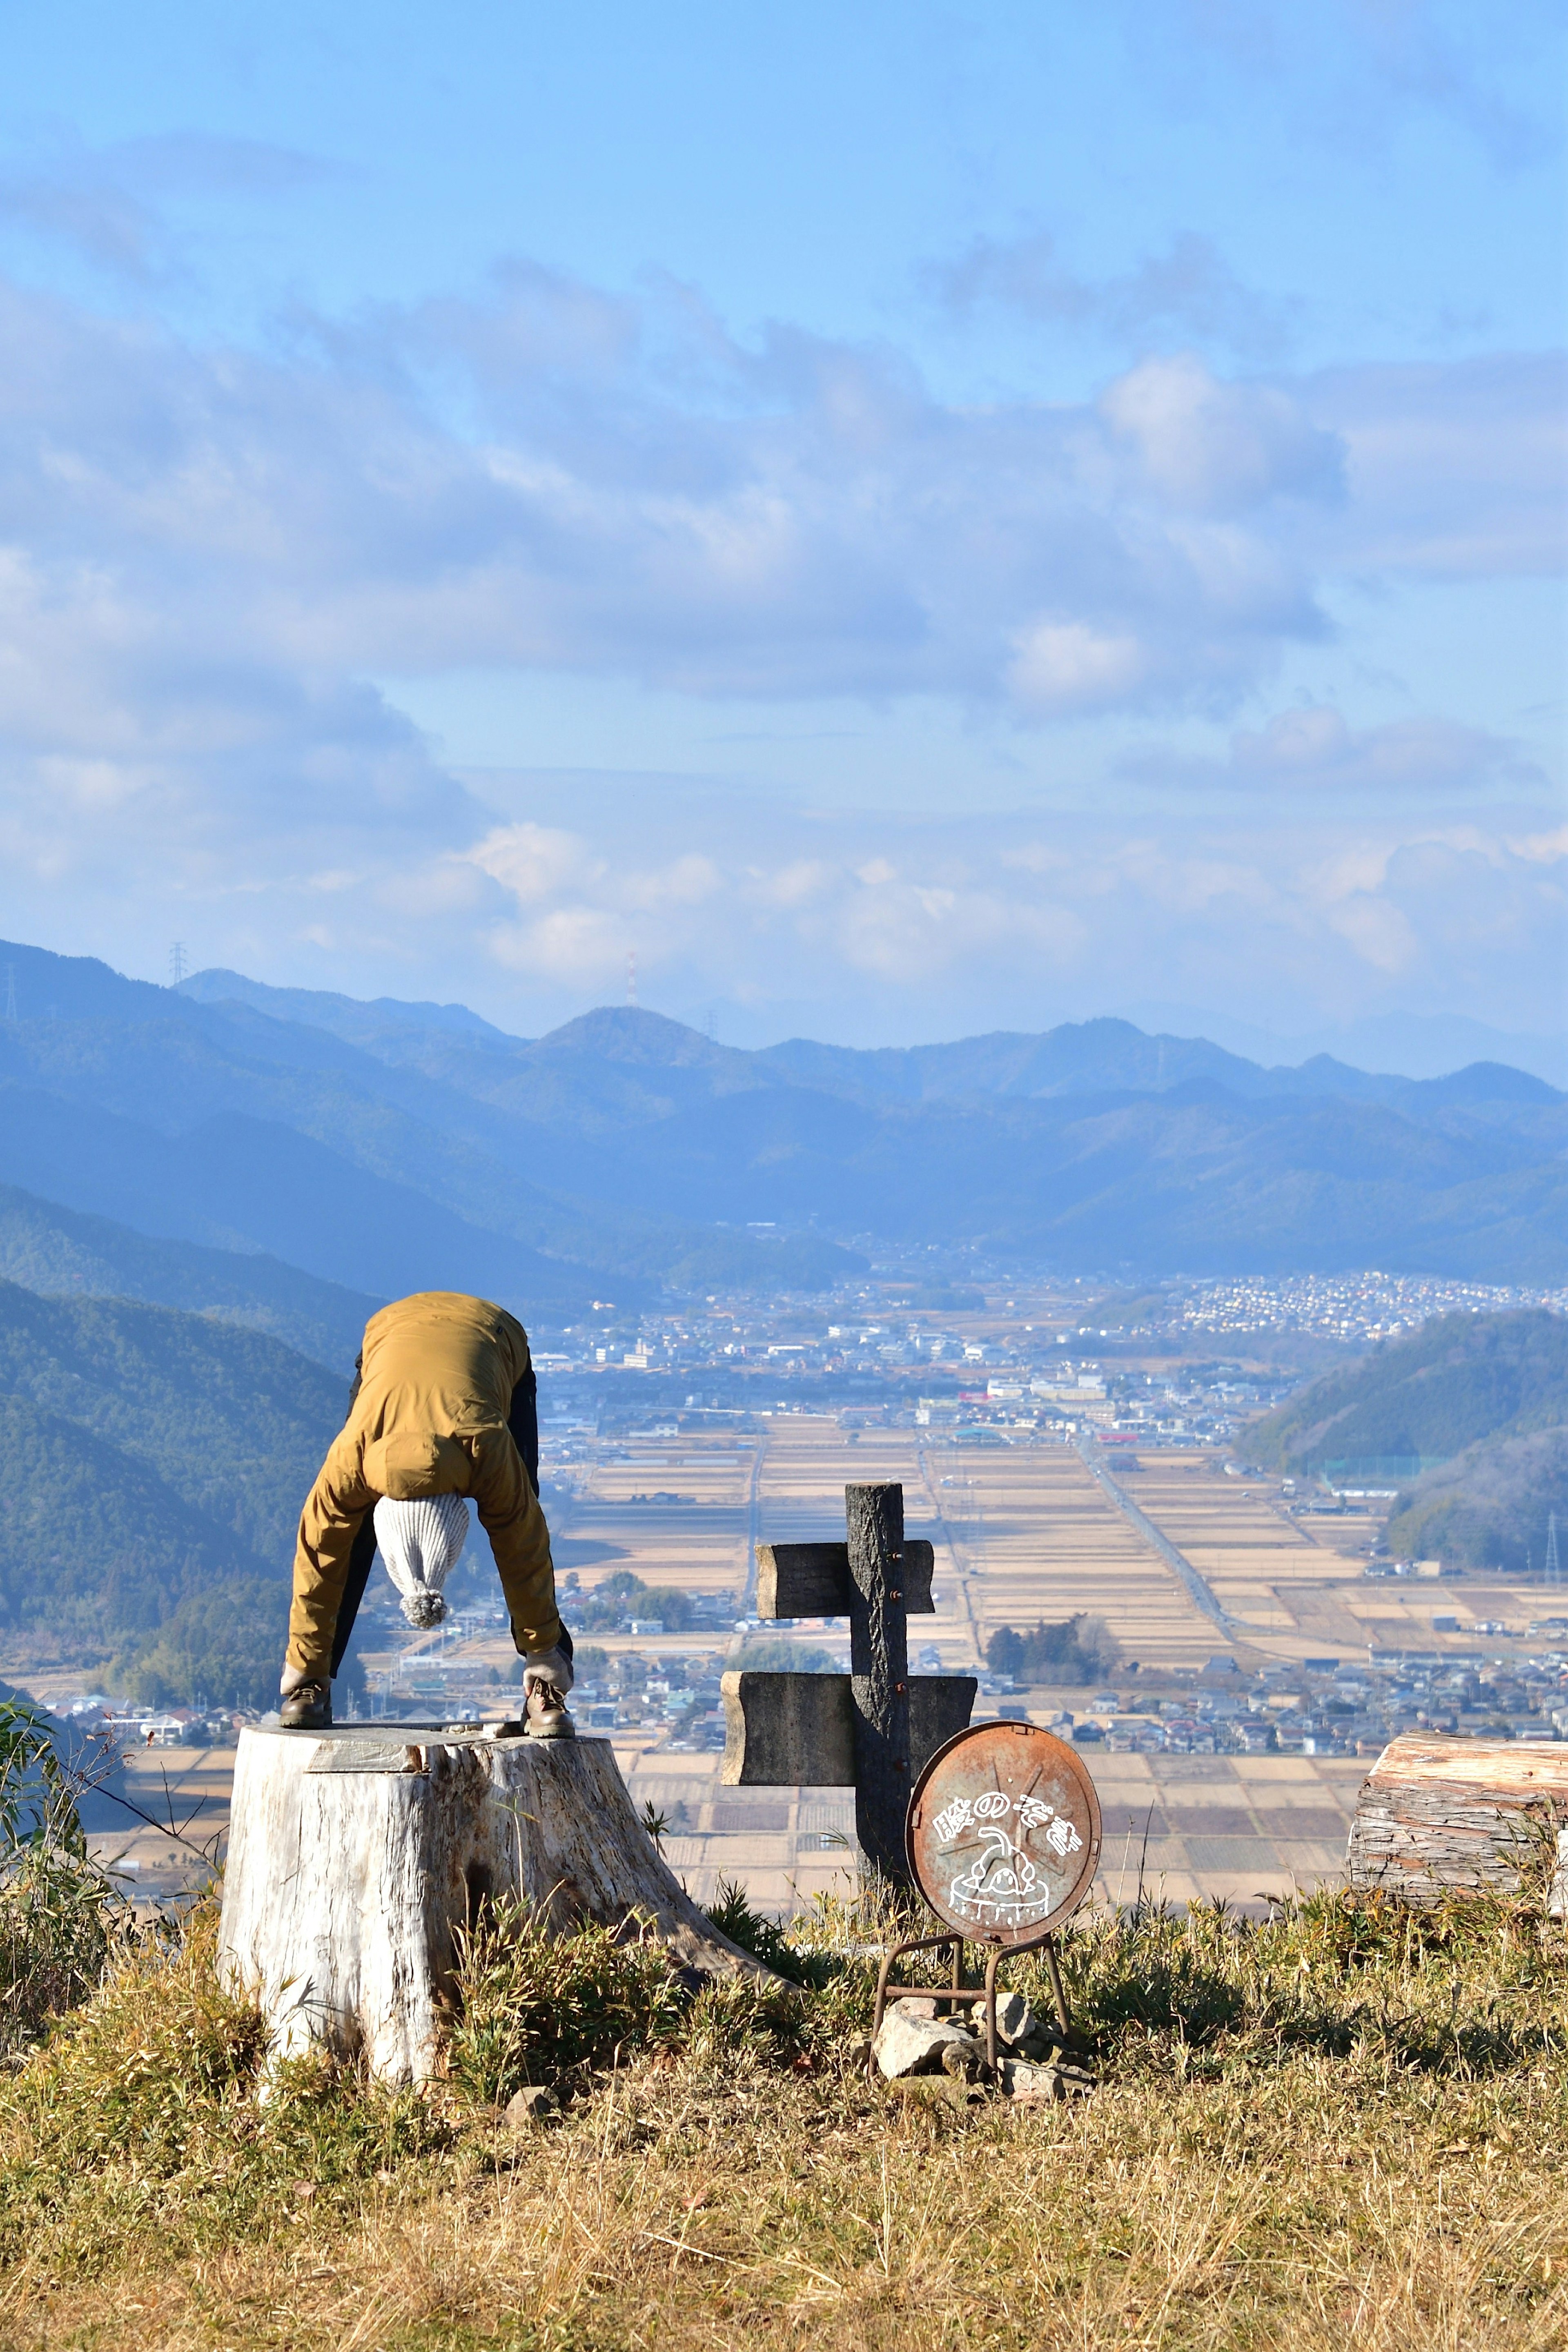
(57,1907)
(531,2005)
(731,1913)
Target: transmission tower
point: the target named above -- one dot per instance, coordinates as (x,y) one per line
(1553,1570)
(176,963)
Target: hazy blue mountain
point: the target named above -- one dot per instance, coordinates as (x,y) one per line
(238,1183)
(1458,1174)
(388,1146)
(360,1021)
(240,1130)
(1089,1057)
(59,1253)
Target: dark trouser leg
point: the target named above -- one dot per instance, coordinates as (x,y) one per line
(523,1420)
(361,1560)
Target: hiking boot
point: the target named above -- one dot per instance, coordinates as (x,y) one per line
(546,1711)
(309,1709)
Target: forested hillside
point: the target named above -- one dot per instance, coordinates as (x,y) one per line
(1431,1394)
(152,1468)
(1481,1400)
(1490,1506)
(62,1253)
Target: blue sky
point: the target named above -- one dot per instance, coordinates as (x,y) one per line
(906,519)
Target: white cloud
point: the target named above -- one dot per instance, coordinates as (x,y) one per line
(578,948)
(1211,447)
(198,533)
(533,861)
(205,553)
(1313,749)
(1064,666)
(1542,848)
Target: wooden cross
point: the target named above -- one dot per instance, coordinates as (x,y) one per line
(873,1729)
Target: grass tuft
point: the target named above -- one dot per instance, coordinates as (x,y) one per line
(533,2006)
(139,2119)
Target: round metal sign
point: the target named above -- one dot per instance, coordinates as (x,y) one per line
(1002,1833)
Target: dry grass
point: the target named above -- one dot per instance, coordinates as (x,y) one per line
(1344,2126)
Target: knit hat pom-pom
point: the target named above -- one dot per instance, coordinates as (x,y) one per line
(423,1610)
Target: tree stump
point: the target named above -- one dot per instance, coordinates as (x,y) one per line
(1436,1814)
(356,1854)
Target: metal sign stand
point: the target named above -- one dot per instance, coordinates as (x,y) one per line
(958,1993)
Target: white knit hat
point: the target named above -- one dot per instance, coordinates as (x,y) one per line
(419,1543)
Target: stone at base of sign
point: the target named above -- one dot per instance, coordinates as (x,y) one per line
(1042,2086)
(914,2044)
(1015,2020)
(907,2044)
(533,2104)
(1016,2023)
(964,2061)
(1035,2086)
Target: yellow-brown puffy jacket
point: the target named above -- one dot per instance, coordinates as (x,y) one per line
(430,1418)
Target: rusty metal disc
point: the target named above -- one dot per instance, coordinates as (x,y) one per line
(1002,1833)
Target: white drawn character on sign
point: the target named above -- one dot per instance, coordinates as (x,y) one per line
(1002,1887)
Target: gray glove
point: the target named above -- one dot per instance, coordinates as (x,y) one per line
(550,1666)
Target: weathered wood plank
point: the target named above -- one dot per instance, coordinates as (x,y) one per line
(813,1580)
(940,1705)
(1436,1814)
(788,1728)
(798,1730)
(788,1731)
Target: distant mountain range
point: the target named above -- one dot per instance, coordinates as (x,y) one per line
(382,1147)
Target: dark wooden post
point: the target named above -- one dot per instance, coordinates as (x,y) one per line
(880,1673)
(871,1729)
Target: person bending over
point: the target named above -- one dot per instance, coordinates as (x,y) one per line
(443,1405)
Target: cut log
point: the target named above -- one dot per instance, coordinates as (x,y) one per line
(813,1580)
(798,1730)
(356,1854)
(1436,1815)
